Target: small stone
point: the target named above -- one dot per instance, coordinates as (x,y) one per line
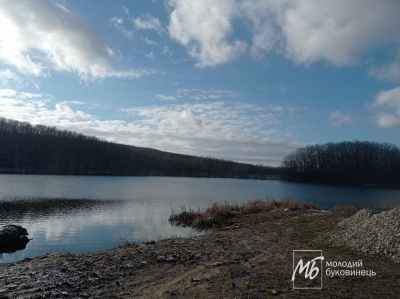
(171,293)
(275,292)
(4,291)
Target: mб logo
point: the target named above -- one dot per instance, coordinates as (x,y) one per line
(307,269)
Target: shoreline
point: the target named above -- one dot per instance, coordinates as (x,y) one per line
(251,258)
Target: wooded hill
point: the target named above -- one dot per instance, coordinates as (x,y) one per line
(349,163)
(39,149)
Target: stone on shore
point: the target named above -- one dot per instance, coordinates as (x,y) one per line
(13,238)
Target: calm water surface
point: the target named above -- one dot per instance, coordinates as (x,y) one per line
(90,213)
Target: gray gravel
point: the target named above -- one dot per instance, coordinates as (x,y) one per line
(371,233)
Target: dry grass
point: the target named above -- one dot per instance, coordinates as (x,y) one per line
(184,217)
(218,215)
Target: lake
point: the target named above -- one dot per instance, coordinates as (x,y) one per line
(76,214)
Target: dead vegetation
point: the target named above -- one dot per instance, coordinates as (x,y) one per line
(218,215)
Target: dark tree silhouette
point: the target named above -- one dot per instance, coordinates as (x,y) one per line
(353,163)
(41,149)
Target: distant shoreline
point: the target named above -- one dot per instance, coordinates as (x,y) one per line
(272,177)
(245,177)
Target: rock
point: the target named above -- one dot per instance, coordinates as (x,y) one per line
(4,291)
(371,233)
(13,238)
(12,287)
(287,210)
(275,292)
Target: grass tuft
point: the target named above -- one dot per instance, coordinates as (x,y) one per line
(184,217)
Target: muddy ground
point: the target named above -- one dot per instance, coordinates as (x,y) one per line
(253,258)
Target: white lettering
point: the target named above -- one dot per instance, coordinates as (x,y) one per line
(310,273)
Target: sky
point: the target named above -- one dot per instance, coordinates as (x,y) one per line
(242,80)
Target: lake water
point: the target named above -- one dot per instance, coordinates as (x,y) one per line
(78,214)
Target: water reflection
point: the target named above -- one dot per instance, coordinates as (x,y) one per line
(87,213)
(86,225)
(42,208)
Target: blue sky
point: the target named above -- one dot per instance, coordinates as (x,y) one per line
(243,80)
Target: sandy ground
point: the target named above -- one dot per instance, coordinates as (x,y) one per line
(253,258)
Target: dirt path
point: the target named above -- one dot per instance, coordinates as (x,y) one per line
(251,259)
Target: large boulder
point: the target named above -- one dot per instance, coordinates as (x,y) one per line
(13,238)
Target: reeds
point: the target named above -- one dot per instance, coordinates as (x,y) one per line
(218,215)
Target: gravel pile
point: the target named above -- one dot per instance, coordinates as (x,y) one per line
(372,233)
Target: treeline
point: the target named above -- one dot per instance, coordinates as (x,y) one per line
(39,149)
(352,163)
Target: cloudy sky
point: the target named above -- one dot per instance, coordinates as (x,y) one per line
(244,80)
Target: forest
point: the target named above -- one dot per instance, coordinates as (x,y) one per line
(348,163)
(39,149)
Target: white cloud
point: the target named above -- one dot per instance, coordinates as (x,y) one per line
(118,23)
(63,110)
(37,108)
(305,31)
(150,55)
(37,36)
(338,31)
(166,98)
(167,51)
(7,92)
(205,94)
(387,108)
(224,129)
(138,73)
(263,17)
(199,94)
(44,36)
(390,72)
(7,75)
(238,131)
(144,22)
(339,119)
(150,42)
(148,22)
(203,27)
